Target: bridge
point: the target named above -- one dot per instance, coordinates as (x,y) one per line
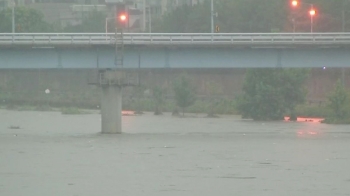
(161,50)
(172,50)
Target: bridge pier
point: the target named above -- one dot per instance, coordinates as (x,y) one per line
(111,83)
(111,109)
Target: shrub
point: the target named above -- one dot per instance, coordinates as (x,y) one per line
(184,93)
(271,93)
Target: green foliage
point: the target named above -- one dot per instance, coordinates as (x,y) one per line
(94,22)
(270,93)
(339,103)
(138,94)
(184,93)
(313,111)
(221,106)
(213,89)
(336,121)
(158,98)
(27,21)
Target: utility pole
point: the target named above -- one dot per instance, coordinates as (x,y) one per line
(312,13)
(212,16)
(345,3)
(343,29)
(149,20)
(144,16)
(343,20)
(13,16)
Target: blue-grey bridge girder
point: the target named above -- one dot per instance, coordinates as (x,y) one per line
(215,54)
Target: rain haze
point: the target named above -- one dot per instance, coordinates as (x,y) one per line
(174,97)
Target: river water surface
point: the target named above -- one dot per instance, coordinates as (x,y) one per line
(61,155)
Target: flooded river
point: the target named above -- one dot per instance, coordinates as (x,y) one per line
(63,155)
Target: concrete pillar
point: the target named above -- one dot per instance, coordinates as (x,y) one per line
(111,109)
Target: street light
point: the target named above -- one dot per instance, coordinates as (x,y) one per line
(312,11)
(150,19)
(106,26)
(212,14)
(122,18)
(13,5)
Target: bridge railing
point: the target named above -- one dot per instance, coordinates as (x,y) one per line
(174,38)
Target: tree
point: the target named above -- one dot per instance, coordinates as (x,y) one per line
(138,94)
(158,97)
(213,89)
(339,103)
(270,93)
(27,21)
(184,93)
(94,22)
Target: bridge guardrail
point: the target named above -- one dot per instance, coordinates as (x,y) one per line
(173,38)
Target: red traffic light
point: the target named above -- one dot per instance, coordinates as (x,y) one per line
(295,3)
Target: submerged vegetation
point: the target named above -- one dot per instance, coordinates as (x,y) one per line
(268,94)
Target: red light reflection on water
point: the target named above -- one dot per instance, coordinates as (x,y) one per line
(306,119)
(307,133)
(128,113)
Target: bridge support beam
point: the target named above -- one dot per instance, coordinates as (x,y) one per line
(111,109)
(112,83)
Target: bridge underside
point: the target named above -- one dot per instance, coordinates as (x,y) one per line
(174,57)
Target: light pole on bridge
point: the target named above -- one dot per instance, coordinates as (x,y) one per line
(212,15)
(106,25)
(312,13)
(13,5)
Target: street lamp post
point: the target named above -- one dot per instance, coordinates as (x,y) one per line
(106,26)
(144,16)
(293,20)
(312,12)
(149,19)
(343,29)
(212,16)
(13,16)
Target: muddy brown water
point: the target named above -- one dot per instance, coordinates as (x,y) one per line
(64,155)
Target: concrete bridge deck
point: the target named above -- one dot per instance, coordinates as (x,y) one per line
(164,50)
(177,39)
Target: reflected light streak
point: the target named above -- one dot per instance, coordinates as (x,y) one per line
(306,119)
(305,133)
